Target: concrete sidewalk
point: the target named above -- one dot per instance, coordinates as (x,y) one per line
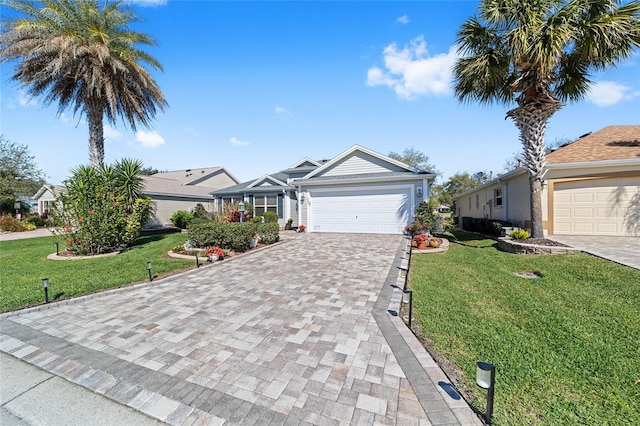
(31,396)
(252,340)
(40,232)
(623,250)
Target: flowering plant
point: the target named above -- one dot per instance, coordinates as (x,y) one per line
(302,228)
(209,252)
(420,238)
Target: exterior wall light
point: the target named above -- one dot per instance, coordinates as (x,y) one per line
(45,286)
(486,378)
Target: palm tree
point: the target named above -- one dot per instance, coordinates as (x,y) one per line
(539,53)
(83,57)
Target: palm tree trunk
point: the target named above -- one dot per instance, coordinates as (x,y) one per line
(96,133)
(531,119)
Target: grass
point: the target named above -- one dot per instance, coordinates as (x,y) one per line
(566,346)
(24,264)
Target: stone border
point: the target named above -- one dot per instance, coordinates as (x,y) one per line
(54,256)
(510,245)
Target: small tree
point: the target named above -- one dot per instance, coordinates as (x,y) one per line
(416,159)
(19,174)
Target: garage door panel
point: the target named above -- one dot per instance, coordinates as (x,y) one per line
(366,211)
(595,206)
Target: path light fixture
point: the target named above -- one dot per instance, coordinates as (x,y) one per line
(197,261)
(16,206)
(407,298)
(486,378)
(56,244)
(45,286)
(149,271)
(241,210)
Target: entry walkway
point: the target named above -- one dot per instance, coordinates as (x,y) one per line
(623,250)
(295,334)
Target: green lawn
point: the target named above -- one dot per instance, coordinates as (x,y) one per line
(566,346)
(24,263)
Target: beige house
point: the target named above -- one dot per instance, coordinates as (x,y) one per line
(183,189)
(591,187)
(47,198)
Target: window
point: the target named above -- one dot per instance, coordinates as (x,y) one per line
(477,201)
(267,203)
(497,195)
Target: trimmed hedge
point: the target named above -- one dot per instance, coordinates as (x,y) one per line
(484,226)
(234,236)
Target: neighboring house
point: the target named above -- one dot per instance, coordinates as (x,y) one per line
(359,191)
(590,187)
(182,190)
(47,197)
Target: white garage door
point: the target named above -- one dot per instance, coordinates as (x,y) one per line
(366,212)
(596,207)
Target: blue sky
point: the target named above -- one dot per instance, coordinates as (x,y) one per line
(255,86)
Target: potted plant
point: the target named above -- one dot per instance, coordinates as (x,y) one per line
(421,241)
(301,228)
(214,253)
(287,227)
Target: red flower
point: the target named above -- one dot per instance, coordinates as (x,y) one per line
(115,203)
(80,218)
(302,228)
(91,211)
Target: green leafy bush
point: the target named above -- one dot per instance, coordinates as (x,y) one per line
(181,219)
(233,236)
(100,213)
(270,217)
(199,212)
(37,220)
(519,234)
(484,226)
(257,219)
(269,232)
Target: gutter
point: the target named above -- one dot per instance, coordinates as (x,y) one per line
(365,180)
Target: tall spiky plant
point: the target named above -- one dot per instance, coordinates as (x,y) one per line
(540,54)
(83,57)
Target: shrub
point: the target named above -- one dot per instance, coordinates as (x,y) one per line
(257,219)
(519,234)
(37,220)
(270,217)
(484,226)
(101,213)
(181,219)
(199,212)
(10,223)
(269,232)
(231,236)
(232,216)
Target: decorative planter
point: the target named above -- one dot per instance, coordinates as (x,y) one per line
(253,243)
(434,243)
(213,258)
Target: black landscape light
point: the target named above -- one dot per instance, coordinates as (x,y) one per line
(16,206)
(45,286)
(407,298)
(197,260)
(486,379)
(149,271)
(56,244)
(241,210)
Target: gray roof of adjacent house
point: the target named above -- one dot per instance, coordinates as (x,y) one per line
(56,189)
(244,186)
(160,186)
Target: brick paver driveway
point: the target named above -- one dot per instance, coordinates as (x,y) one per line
(281,336)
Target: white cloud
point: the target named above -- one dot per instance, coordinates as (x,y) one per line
(607,93)
(111,133)
(150,139)
(411,72)
(193,132)
(238,142)
(145,3)
(25,100)
(404,19)
(283,111)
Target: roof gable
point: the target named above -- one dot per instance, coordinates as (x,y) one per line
(266,180)
(358,160)
(610,143)
(305,162)
(198,177)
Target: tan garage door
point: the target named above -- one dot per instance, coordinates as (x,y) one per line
(597,207)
